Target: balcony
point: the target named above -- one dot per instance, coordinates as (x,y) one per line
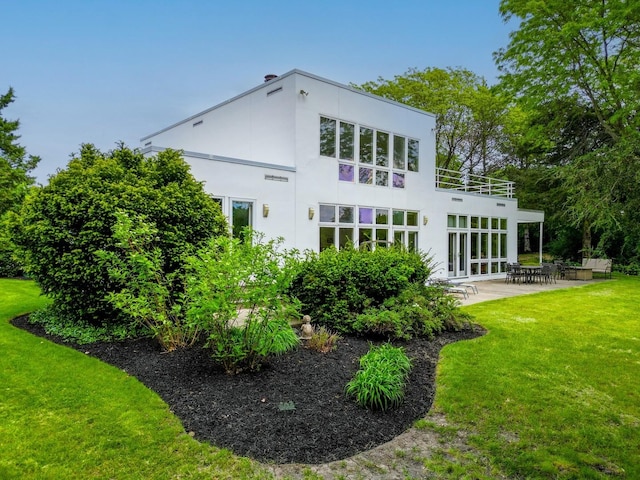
(469,183)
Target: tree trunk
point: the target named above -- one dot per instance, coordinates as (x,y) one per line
(586,240)
(527,240)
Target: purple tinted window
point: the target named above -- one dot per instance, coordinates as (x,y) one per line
(398,180)
(365,215)
(345,173)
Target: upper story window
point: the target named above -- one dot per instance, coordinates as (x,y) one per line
(327,137)
(368,156)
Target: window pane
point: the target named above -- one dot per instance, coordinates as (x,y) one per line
(346,237)
(345,214)
(398,217)
(474,246)
(494,245)
(451,221)
(366,145)
(462,222)
(365,175)
(382,149)
(346,141)
(382,178)
(327,137)
(364,237)
(241,217)
(382,216)
(365,215)
(398,238)
(345,172)
(484,245)
(413,154)
(382,236)
(503,224)
(327,213)
(412,219)
(484,222)
(474,222)
(398,152)
(503,245)
(326,237)
(398,180)
(494,223)
(412,243)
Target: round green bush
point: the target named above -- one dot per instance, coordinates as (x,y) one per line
(63,224)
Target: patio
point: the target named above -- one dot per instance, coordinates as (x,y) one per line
(496,289)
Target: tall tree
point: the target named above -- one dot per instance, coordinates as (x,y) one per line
(586,54)
(15,164)
(15,180)
(469,114)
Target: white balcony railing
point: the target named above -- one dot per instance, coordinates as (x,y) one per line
(469,183)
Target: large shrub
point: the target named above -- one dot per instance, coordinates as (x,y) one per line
(235,295)
(63,224)
(147,293)
(336,286)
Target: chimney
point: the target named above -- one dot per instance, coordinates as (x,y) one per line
(269,77)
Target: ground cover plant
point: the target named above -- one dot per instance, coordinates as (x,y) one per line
(552,391)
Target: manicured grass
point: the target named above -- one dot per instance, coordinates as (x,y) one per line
(67,415)
(553,389)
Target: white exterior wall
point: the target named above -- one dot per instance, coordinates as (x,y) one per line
(264,146)
(317,177)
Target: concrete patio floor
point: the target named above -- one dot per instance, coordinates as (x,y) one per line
(496,289)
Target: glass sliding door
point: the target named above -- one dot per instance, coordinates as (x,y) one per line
(241,217)
(458,258)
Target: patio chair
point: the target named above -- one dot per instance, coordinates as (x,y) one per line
(561,269)
(545,273)
(449,287)
(514,273)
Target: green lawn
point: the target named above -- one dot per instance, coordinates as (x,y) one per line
(552,391)
(66,415)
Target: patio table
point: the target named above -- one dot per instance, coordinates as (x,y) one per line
(531,272)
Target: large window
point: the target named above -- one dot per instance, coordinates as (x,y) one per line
(368,156)
(488,244)
(367,226)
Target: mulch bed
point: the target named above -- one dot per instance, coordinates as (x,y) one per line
(293,411)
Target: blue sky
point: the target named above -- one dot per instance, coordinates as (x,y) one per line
(107,71)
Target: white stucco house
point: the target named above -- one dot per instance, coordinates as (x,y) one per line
(320,163)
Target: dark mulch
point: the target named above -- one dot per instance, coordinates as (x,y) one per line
(245,414)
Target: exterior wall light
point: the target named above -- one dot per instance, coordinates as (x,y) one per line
(265,210)
(425,220)
(312,212)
